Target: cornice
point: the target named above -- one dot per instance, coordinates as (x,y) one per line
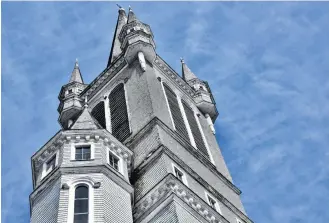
(104,77)
(156,154)
(174,77)
(59,171)
(171,185)
(196,153)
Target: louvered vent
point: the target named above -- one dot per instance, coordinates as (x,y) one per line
(195,129)
(98,113)
(176,113)
(119,114)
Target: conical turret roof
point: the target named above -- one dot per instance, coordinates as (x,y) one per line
(186,72)
(76,74)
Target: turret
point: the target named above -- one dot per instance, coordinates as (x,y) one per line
(70,102)
(203,98)
(137,41)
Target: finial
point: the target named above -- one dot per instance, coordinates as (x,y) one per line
(86,102)
(182,60)
(120,7)
(130,8)
(76,62)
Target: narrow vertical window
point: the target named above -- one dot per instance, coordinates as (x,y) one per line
(195,129)
(176,112)
(114,161)
(81,205)
(119,113)
(98,113)
(50,165)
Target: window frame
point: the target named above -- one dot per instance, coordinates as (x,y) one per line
(45,170)
(86,181)
(184,179)
(120,167)
(75,200)
(82,147)
(77,145)
(217,207)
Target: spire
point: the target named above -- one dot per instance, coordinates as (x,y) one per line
(76,74)
(131,16)
(186,72)
(115,49)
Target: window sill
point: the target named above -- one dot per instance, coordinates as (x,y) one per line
(82,160)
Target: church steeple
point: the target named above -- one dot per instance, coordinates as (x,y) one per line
(116,44)
(186,72)
(76,74)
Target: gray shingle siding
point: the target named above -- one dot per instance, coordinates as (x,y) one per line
(45,206)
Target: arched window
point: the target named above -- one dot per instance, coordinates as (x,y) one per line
(81,204)
(195,129)
(119,113)
(98,113)
(175,112)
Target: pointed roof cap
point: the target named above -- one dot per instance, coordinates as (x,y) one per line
(76,74)
(131,16)
(85,120)
(186,72)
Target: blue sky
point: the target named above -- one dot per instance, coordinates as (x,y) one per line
(267,64)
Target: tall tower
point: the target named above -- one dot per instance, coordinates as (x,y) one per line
(137,144)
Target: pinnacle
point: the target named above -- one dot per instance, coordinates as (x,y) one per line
(186,72)
(76,74)
(131,16)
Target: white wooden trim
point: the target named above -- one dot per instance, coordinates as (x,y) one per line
(187,125)
(92,149)
(73,186)
(120,163)
(107,113)
(45,172)
(204,138)
(184,174)
(168,107)
(217,207)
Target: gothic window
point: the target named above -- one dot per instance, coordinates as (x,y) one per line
(200,144)
(81,204)
(98,113)
(114,161)
(119,113)
(70,91)
(82,153)
(50,165)
(175,112)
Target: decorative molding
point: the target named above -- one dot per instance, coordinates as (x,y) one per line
(171,185)
(196,153)
(104,77)
(172,75)
(164,150)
